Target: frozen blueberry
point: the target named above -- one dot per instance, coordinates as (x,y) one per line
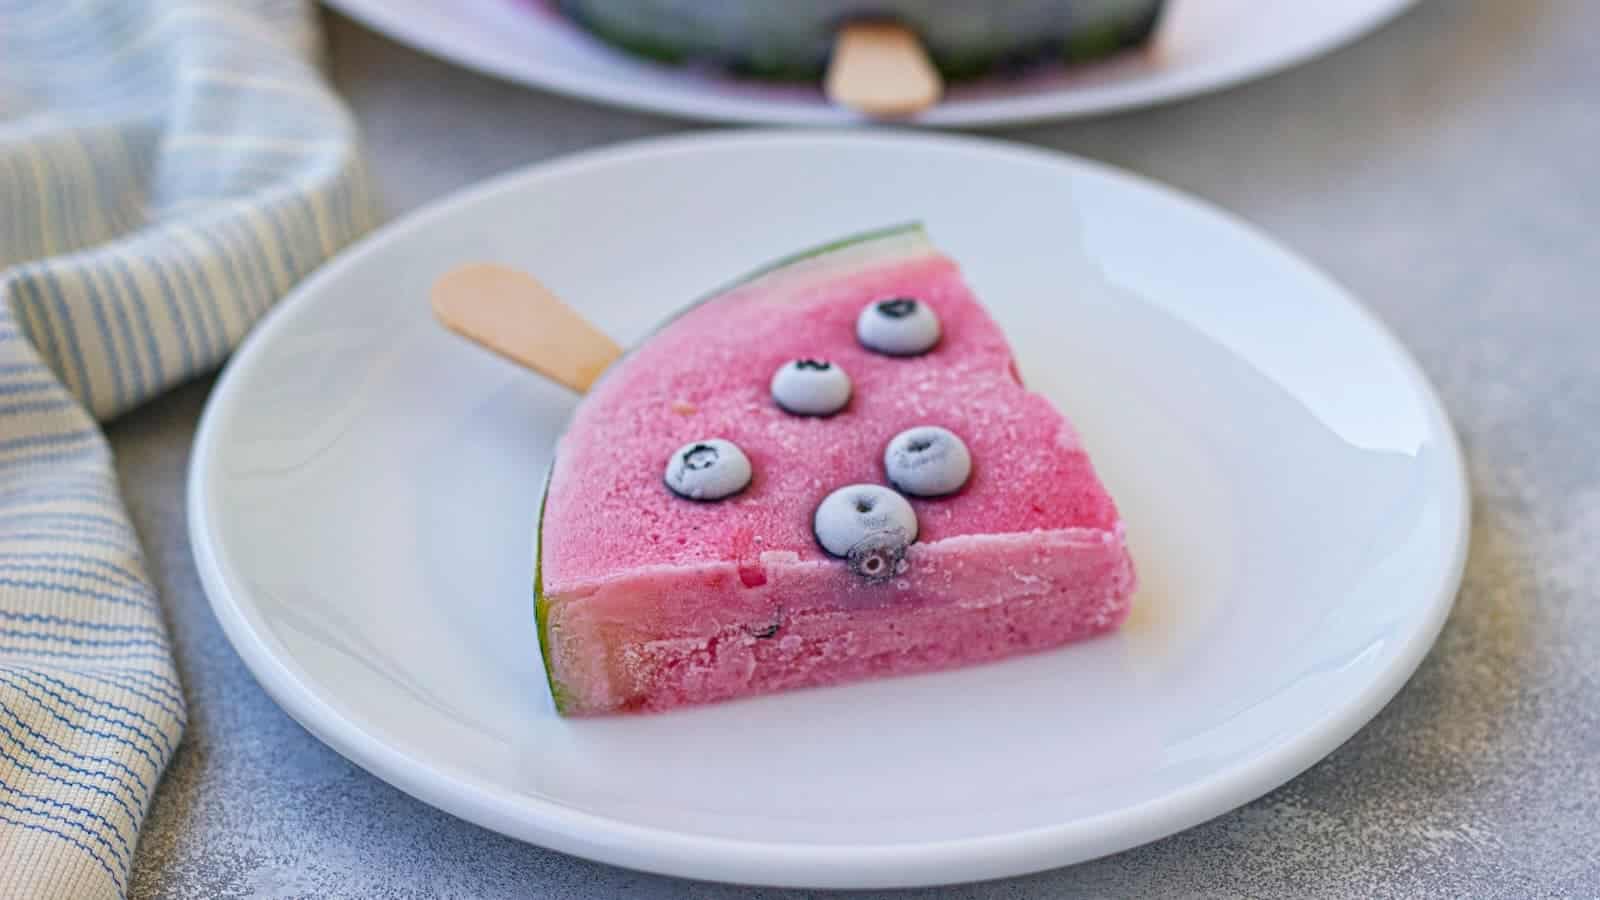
(879,556)
(927,461)
(869,525)
(708,470)
(810,387)
(900,326)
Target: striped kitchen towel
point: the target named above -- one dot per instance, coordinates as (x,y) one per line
(168,169)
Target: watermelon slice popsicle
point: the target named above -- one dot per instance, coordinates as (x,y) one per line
(825,472)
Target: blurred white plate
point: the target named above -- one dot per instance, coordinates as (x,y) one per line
(364,488)
(1204,45)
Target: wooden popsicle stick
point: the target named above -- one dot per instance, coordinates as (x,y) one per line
(881,69)
(511,313)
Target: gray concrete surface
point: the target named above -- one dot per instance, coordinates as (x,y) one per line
(1447,169)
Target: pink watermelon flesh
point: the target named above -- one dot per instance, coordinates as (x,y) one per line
(648,601)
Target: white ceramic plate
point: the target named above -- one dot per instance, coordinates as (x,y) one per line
(364,489)
(1203,45)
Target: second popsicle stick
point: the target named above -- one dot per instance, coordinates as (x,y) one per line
(881,69)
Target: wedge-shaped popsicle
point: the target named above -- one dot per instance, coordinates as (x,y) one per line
(827,472)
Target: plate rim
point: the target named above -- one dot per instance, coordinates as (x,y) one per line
(994,112)
(554,825)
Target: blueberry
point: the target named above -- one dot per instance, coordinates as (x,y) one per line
(869,525)
(708,470)
(810,387)
(878,557)
(899,326)
(927,461)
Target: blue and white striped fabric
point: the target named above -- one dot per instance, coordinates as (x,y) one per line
(168,169)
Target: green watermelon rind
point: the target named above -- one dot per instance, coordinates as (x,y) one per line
(559,694)
(541,603)
(865,237)
(792,44)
